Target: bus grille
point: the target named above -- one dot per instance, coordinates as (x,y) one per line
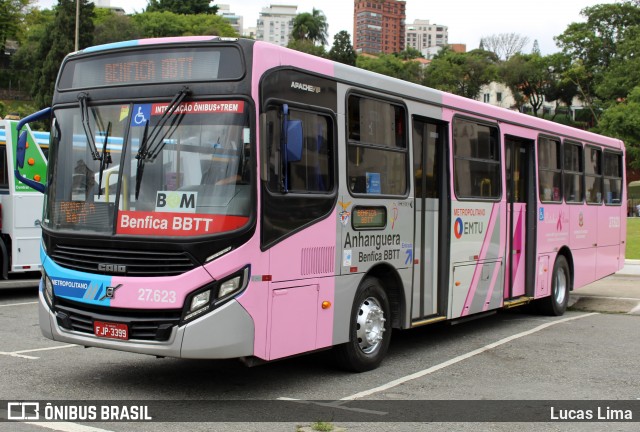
(149,325)
(137,262)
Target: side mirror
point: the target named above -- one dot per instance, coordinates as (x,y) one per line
(21,150)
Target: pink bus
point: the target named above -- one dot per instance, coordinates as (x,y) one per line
(220,198)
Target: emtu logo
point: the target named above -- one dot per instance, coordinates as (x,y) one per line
(458,228)
(184,202)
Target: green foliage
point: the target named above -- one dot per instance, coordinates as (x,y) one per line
(409,54)
(623,71)
(57,42)
(322,426)
(311,27)
(526,75)
(390,65)
(11,14)
(165,24)
(633,234)
(342,51)
(600,47)
(463,74)
(621,121)
(183,7)
(111,27)
(21,108)
(306,46)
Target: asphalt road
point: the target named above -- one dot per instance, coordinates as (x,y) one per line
(512,355)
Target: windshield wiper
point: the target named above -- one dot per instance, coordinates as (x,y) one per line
(156,145)
(148,151)
(84,115)
(105,159)
(142,151)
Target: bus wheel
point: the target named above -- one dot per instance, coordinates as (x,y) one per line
(556,303)
(370,329)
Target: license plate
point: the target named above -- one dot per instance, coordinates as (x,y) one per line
(111,330)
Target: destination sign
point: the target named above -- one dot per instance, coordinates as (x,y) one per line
(177,64)
(369,217)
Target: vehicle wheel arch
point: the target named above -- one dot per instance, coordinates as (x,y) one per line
(393,286)
(566,253)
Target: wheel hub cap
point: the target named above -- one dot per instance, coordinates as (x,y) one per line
(370,325)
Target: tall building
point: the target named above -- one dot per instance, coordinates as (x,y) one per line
(236,21)
(422,35)
(275,24)
(379,26)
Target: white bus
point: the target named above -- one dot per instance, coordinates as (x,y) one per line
(20,206)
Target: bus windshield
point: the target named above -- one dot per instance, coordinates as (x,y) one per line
(150,169)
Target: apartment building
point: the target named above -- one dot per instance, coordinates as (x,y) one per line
(275,24)
(422,35)
(379,26)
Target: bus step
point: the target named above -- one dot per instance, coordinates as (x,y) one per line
(428,321)
(517,302)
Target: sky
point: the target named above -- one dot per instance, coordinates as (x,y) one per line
(468,20)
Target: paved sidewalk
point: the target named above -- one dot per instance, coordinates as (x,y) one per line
(618,293)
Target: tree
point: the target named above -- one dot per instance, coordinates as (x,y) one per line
(11,14)
(621,121)
(166,24)
(182,7)
(390,65)
(536,48)
(58,41)
(111,27)
(25,61)
(504,45)
(558,88)
(526,75)
(342,51)
(306,46)
(463,74)
(409,54)
(311,26)
(622,73)
(597,47)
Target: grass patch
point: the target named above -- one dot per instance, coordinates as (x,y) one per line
(633,238)
(322,426)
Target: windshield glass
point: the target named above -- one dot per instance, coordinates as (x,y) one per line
(182,174)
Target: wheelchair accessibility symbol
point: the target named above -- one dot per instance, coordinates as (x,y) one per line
(141,114)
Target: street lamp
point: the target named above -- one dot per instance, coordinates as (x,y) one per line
(77,23)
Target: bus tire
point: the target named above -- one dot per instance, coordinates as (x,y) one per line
(556,303)
(369,330)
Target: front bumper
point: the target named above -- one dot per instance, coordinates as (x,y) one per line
(226,332)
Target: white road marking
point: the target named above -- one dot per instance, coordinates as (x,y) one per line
(21,353)
(18,304)
(460,358)
(67,427)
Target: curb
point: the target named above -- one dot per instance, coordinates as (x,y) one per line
(612,305)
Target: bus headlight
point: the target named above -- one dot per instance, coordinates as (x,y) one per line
(214,294)
(200,300)
(48,289)
(233,285)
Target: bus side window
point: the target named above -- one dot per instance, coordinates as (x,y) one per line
(612,178)
(476,160)
(549,170)
(377,147)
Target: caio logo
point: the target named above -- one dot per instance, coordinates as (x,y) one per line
(172,201)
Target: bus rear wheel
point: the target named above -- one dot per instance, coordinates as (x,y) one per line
(556,303)
(370,329)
